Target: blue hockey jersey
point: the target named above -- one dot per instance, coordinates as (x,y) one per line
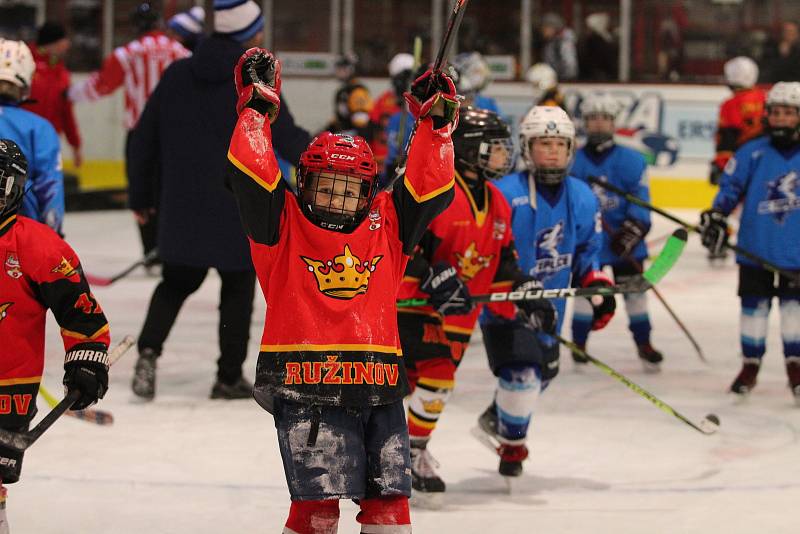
(38,140)
(558,239)
(767,181)
(626,169)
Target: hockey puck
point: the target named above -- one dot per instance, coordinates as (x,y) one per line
(713,418)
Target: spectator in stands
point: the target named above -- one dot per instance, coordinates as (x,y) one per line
(559,47)
(782,57)
(597,56)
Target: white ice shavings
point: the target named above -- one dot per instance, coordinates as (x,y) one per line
(392,464)
(328,455)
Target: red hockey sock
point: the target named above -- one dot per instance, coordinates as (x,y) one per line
(313,517)
(390,514)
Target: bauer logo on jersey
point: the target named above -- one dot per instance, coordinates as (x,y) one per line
(608,201)
(471,262)
(64,268)
(343,277)
(548,259)
(782,197)
(12,266)
(4,310)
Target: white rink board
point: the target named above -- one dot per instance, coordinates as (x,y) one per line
(603,459)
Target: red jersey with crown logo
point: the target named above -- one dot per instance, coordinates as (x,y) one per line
(740,120)
(478,243)
(39,272)
(330,330)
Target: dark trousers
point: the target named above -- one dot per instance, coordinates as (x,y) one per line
(235,309)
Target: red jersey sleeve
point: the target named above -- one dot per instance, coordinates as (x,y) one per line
(427,187)
(100,83)
(61,285)
(255,178)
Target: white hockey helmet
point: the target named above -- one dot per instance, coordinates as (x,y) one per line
(600,104)
(741,72)
(546,121)
(16,63)
(399,63)
(542,76)
(474,74)
(784,94)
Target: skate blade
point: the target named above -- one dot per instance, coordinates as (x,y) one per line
(485,439)
(651,368)
(740,399)
(512,484)
(426,500)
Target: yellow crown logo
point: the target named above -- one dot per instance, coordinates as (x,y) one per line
(344,276)
(471,263)
(64,268)
(4,309)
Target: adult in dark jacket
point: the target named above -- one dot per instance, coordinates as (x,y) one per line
(182,139)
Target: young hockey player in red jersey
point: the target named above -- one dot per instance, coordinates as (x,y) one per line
(40,272)
(330,261)
(468,249)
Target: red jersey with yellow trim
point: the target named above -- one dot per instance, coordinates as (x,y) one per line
(330,330)
(40,272)
(740,120)
(478,243)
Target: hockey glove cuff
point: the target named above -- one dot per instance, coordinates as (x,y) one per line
(258,82)
(629,235)
(448,294)
(714,231)
(86,370)
(603,307)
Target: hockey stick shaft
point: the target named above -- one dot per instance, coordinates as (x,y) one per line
(90,415)
(661,266)
(661,405)
(103,281)
(23,440)
(764,264)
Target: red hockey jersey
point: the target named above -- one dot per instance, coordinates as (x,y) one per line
(138,65)
(477,242)
(330,331)
(739,121)
(40,272)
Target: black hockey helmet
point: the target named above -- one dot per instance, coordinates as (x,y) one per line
(145,17)
(479,131)
(13,172)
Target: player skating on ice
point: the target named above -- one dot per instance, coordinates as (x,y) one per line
(625,224)
(555,220)
(40,272)
(764,175)
(468,249)
(330,261)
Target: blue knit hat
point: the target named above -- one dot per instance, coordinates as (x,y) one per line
(238,19)
(188,23)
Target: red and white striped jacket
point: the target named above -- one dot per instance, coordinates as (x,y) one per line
(138,65)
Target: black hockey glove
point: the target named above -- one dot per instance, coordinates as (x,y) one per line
(86,370)
(448,294)
(257,77)
(630,234)
(540,313)
(715,175)
(714,231)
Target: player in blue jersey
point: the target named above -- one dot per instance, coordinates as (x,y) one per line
(764,175)
(555,220)
(625,224)
(38,140)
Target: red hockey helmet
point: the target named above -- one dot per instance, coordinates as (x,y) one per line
(337,181)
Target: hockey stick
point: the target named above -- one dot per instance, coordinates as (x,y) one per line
(640,268)
(707,426)
(661,266)
(90,415)
(453,23)
(22,440)
(102,281)
(764,264)
(401,131)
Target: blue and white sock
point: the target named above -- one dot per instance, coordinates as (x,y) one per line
(518,389)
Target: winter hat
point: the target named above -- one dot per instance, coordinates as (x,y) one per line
(237,19)
(49,33)
(188,23)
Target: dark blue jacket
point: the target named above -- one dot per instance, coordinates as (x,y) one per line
(177,158)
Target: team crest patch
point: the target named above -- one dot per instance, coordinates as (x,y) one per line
(4,310)
(343,277)
(608,200)
(64,268)
(374,219)
(782,197)
(549,260)
(471,262)
(13,268)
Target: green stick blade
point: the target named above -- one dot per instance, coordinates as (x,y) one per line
(668,257)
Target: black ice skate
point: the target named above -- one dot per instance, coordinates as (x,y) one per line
(144,375)
(793,372)
(651,358)
(241,389)
(511,458)
(427,486)
(746,380)
(578,358)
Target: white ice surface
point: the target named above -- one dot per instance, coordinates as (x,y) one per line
(603,460)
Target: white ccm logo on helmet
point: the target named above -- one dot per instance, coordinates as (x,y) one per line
(343,157)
